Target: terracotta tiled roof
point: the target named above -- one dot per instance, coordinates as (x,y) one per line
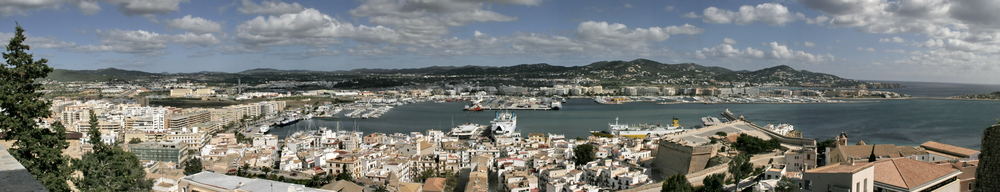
(840,168)
(434,184)
(908,173)
(950,149)
(880,150)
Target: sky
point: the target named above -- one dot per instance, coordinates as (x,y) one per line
(905,40)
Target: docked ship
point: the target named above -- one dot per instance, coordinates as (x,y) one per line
(504,123)
(709,121)
(466,131)
(643,130)
(556,105)
(265,129)
(287,121)
(474,107)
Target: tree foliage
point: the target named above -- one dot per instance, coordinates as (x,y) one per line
(21,105)
(713,183)
(109,167)
(677,183)
(346,175)
(753,145)
(786,185)
(192,166)
(584,153)
(740,167)
(94,132)
(988,171)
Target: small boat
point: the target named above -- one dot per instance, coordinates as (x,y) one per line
(474,107)
(265,129)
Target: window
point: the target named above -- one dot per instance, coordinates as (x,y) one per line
(866,184)
(857,186)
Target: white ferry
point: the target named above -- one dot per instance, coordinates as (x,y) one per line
(504,123)
(466,131)
(643,130)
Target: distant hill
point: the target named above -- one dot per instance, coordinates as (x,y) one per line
(98,75)
(634,72)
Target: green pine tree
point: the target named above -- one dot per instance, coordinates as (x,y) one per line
(714,183)
(677,183)
(39,150)
(95,131)
(192,166)
(740,167)
(109,167)
(988,172)
(584,154)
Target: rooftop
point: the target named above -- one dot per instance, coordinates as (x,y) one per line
(245,184)
(909,173)
(841,168)
(950,149)
(434,184)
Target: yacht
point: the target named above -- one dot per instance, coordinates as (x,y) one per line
(466,131)
(265,129)
(643,130)
(504,123)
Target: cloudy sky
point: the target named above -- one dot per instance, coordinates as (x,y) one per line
(914,40)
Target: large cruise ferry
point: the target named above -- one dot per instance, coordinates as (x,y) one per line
(504,123)
(466,131)
(643,130)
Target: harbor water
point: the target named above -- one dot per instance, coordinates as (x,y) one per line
(904,122)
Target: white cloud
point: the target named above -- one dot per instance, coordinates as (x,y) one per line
(776,51)
(808,44)
(144,42)
(892,39)
(868,49)
(269,7)
(949,26)
(779,51)
(728,41)
(668,8)
(147,7)
(138,41)
(195,24)
(40,42)
(22,7)
(203,39)
(308,27)
(727,50)
(617,35)
(769,13)
(88,7)
(421,21)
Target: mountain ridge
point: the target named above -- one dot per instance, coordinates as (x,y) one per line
(614,72)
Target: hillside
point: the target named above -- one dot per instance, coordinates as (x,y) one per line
(98,75)
(634,72)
